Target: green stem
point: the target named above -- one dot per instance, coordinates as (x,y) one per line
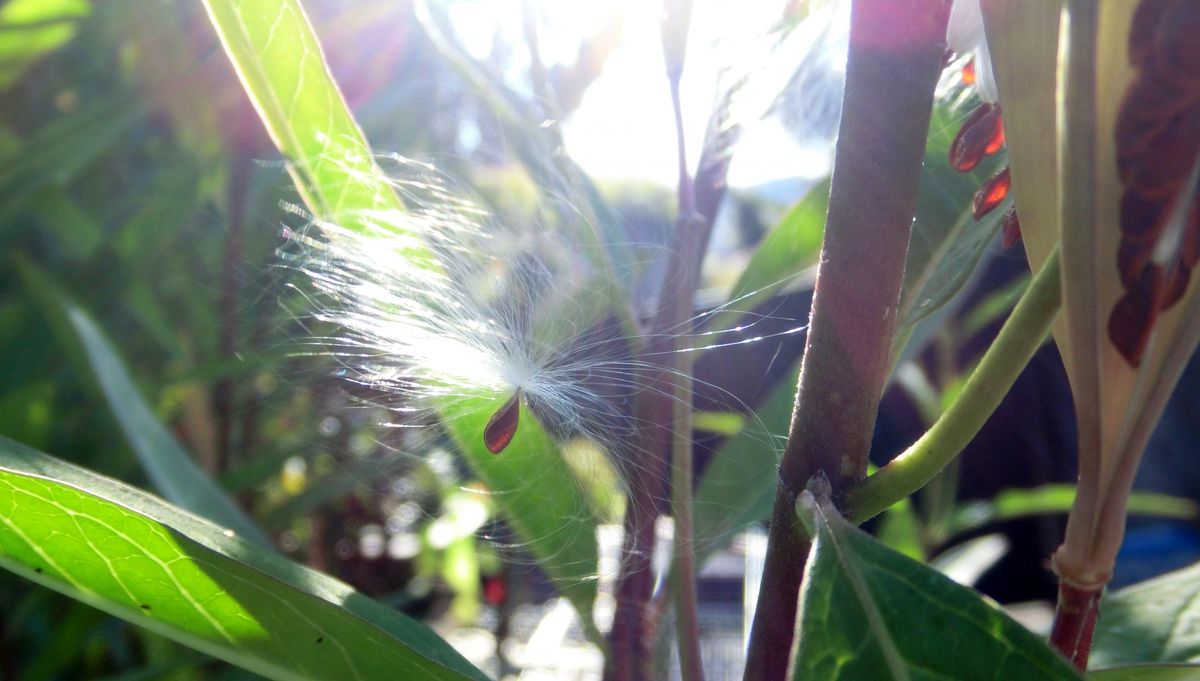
(677,17)
(1020,337)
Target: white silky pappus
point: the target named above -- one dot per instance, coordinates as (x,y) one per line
(444,302)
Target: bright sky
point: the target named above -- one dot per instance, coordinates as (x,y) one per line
(623,128)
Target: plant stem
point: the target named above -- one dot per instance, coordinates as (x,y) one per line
(1019,338)
(692,228)
(892,69)
(687,619)
(662,410)
(1075,622)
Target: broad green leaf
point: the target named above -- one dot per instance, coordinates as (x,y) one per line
(1148,672)
(860,603)
(136,557)
(31,28)
(541,497)
(1155,621)
(167,464)
(738,486)
(280,63)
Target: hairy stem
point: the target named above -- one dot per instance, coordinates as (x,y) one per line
(1019,338)
(892,68)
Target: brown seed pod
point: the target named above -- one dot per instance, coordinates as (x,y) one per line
(1158,142)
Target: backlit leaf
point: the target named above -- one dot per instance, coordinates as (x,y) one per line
(138,558)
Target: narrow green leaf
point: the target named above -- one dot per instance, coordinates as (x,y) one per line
(280,63)
(136,557)
(784,254)
(168,465)
(1046,499)
(860,603)
(994,307)
(1155,621)
(726,423)
(278,58)
(541,497)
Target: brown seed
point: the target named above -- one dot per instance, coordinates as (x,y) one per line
(501,428)
(975,137)
(991,194)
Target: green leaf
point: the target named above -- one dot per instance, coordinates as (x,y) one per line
(1155,621)
(541,497)
(31,28)
(279,60)
(168,465)
(867,612)
(136,557)
(1148,672)
(1046,499)
(62,148)
(946,243)
(784,254)
(900,530)
(994,307)
(738,486)
(727,423)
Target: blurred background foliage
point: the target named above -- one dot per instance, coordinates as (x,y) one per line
(136,180)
